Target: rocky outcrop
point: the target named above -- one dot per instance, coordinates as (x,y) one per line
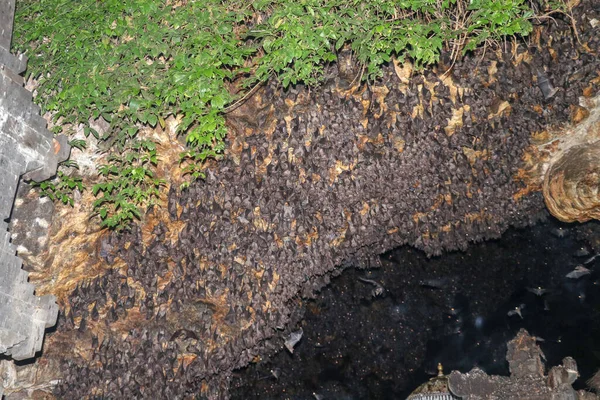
(572,181)
(563,159)
(26,148)
(527,379)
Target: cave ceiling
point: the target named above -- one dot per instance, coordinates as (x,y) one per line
(312,179)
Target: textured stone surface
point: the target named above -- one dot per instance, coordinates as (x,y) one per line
(563,161)
(312,179)
(7,8)
(23,316)
(527,379)
(16,64)
(26,147)
(571,183)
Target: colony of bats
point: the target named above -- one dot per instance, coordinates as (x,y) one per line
(313,179)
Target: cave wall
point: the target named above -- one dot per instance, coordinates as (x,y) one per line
(312,179)
(26,147)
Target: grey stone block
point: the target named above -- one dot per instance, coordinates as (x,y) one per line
(16,64)
(30,138)
(8,182)
(10,147)
(23,316)
(7,11)
(26,147)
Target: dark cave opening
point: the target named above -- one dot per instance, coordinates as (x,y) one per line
(459,309)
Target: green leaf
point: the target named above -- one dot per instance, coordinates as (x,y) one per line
(137,63)
(152,120)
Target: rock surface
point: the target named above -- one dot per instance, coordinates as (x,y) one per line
(26,147)
(527,379)
(312,179)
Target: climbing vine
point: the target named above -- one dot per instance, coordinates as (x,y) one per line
(135,63)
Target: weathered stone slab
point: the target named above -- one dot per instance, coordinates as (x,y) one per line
(26,147)
(7,10)
(16,64)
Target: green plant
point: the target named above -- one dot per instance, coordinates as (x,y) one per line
(134,63)
(492,19)
(127,183)
(61,188)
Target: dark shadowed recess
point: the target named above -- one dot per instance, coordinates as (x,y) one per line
(458,309)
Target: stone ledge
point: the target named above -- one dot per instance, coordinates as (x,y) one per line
(14,63)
